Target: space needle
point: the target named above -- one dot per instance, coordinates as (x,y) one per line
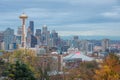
(23,17)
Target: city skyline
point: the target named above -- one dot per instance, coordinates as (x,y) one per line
(79,17)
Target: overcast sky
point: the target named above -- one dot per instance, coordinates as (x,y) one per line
(68,17)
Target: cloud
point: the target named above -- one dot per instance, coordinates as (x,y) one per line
(113,13)
(93,2)
(41,12)
(89,33)
(80,16)
(88,26)
(101,29)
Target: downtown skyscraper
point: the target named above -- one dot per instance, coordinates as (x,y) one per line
(8,38)
(31,26)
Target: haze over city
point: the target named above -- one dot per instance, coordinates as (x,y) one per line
(67,17)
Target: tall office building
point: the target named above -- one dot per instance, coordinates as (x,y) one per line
(31,26)
(44,29)
(76,42)
(8,38)
(28,37)
(44,35)
(54,36)
(38,35)
(90,47)
(18,41)
(38,32)
(2,46)
(19,37)
(33,41)
(1,41)
(84,46)
(19,31)
(1,36)
(48,38)
(105,44)
(75,37)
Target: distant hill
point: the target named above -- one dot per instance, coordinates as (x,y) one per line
(92,37)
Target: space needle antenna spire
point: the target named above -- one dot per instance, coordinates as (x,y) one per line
(23,17)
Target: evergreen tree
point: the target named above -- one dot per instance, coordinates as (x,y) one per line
(19,71)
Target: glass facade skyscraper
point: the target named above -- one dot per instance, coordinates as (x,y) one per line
(8,38)
(31,26)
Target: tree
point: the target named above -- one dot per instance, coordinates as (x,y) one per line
(43,74)
(3,66)
(26,56)
(85,71)
(39,65)
(110,69)
(19,71)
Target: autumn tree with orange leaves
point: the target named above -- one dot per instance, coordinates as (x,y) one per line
(110,69)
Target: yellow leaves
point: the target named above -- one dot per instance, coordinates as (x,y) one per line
(106,73)
(111,60)
(106,69)
(97,72)
(22,55)
(109,68)
(116,76)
